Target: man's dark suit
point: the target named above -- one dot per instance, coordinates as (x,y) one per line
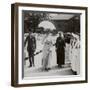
(31,48)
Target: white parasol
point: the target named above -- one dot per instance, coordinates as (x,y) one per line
(47,25)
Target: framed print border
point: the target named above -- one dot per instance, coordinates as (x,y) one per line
(15,43)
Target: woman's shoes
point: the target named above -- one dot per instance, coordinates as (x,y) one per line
(47,69)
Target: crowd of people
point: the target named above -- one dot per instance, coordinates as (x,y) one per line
(73,52)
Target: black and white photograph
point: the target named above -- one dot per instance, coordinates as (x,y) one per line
(50,44)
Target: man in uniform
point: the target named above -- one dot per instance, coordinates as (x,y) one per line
(31,47)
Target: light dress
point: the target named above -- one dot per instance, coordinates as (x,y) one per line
(47,52)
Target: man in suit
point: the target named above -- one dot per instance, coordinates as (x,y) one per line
(31,47)
(60,52)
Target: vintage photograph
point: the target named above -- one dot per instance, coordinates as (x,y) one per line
(51,43)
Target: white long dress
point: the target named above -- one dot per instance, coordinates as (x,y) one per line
(78,58)
(47,53)
(75,56)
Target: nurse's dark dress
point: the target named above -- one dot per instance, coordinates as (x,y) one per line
(60,44)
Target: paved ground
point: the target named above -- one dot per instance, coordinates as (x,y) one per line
(34,71)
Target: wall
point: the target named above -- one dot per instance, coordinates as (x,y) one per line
(5,45)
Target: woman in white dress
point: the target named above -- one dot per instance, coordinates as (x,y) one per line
(73,63)
(47,52)
(75,55)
